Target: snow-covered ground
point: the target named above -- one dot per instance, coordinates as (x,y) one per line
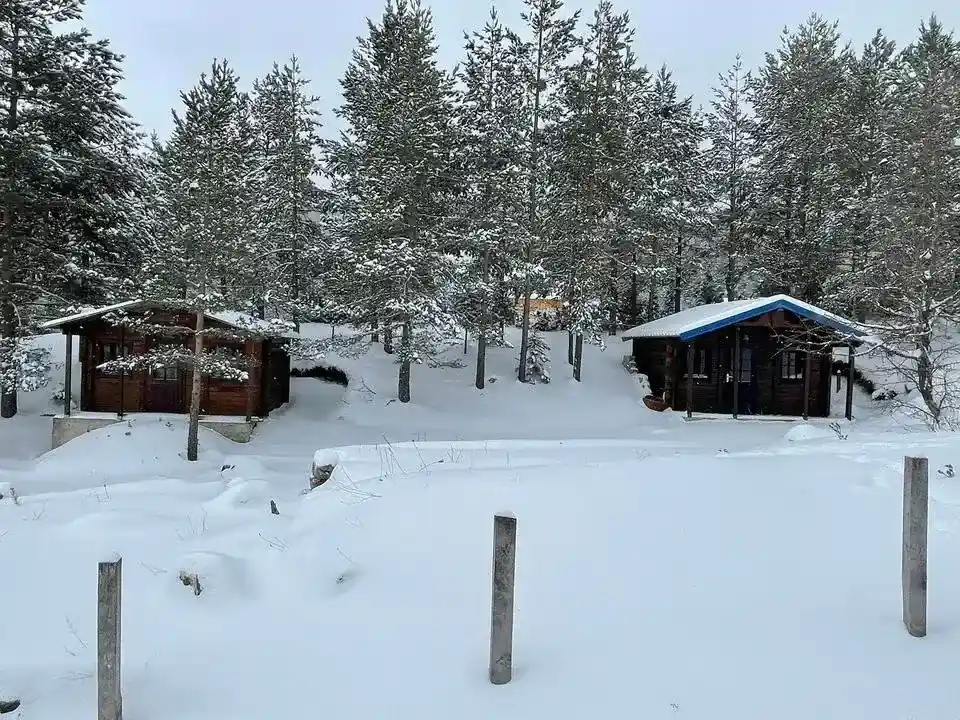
(719,570)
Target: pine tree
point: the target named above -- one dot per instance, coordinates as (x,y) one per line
(866,151)
(68,172)
(588,173)
(798,97)
(910,287)
(287,124)
(678,202)
(492,112)
(731,176)
(204,255)
(392,175)
(550,42)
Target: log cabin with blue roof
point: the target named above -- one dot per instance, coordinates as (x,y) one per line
(764,356)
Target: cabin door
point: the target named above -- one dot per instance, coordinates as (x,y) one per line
(165,391)
(746,382)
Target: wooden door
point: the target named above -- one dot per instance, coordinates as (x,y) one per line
(165,391)
(746,382)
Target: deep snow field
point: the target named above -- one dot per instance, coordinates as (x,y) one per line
(713,570)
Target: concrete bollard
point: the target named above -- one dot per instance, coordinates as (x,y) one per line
(914,570)
(504,574)
(109,702)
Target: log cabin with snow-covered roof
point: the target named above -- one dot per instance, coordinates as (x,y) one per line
(765,356)
(166,389)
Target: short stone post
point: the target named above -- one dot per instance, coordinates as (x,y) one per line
(109,704)
(914,574)
(504,574)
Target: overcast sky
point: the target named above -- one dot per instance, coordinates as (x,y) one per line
(168,43)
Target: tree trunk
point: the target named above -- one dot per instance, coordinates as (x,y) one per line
(8,313)
(480,380)
(652,291)
(193,431)
(403,385)
(375,335)
(678,274)
(570,343)
(634,295)
(578,357)
(534,163)
(388,339)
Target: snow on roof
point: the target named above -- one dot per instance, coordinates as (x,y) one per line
(88,313)
(236,320)
(703,319)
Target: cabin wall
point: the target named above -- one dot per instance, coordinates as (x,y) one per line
(764,391)
(101,392)
(650,356)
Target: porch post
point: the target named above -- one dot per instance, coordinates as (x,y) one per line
(850,368)
(736,371)
(690,357)
(806,383)
(123,379)
(68,375)
(251,398)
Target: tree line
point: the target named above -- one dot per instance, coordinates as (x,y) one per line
(550,161)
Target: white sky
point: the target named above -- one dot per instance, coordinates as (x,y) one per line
(168,43)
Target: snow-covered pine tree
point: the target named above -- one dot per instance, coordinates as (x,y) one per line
(491,119)
(549,40)
(635,221)
(287,123)
(866,150)
(910,287)
(798,97)
(392,177)
(731,175)
(675,163)
(68,177)
(587,174)
(204,255)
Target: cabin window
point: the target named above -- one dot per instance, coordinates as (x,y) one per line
(108,352)
(746,364)
(170,373)
(701,364)
(791,365)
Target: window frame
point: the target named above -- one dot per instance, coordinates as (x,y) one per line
(799,360)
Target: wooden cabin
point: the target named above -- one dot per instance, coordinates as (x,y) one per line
(765,356)
(166,389)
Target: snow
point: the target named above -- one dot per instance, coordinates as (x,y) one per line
(236,320)
(692,319)
(722,570)
(807,432)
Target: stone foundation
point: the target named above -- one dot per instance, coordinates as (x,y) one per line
(68,427)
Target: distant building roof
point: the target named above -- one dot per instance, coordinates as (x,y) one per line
(236,320)
(704,319)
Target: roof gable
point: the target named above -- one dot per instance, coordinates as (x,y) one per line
(704,319)
(235,320)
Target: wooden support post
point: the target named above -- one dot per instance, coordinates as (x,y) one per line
(914,570)
(736,372)
(504,575)
(250,351)
(850,369)
(691,352)
(123,375)
(68,375)
(806,383)
(109,703)
(670,374)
